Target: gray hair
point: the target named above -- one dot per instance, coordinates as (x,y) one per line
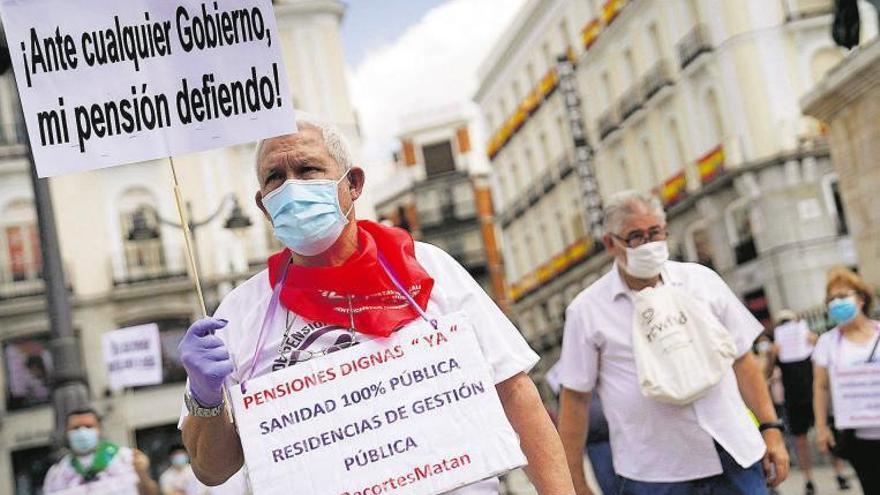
(336,144)
(626,203)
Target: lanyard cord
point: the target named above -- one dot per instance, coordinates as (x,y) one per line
(405,293)
(269,318)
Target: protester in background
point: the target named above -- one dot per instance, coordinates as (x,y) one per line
(179,476)
(707,446)
(854,341)
(793,350)
(308,186)
(94,460)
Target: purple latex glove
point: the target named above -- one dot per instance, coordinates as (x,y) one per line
(206,360)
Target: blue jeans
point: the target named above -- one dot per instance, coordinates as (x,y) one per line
(735,480)
(603,467)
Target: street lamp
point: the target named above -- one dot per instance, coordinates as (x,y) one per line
(237,222)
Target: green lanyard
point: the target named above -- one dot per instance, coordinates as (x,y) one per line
(103,455)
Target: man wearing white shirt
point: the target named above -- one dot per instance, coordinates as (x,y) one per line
(708,446)
(331,292)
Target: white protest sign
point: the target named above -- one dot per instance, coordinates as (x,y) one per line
(793,340)
(133,356)
(855,392)
(416,413)
(105,83)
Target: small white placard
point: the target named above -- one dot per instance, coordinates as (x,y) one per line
(133,356)
(793,340)
(856,395)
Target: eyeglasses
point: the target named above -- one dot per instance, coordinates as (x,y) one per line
(636,238)
(840,295)
(301,355)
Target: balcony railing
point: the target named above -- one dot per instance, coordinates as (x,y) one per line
(658,77)
(695,43)
(630,102)
(21,288)
(608,122)
(147,263)
(460,211)
(537,190)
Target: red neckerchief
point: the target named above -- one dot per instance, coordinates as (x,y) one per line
(323,293)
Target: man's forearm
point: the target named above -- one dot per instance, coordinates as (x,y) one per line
(539,441)
(574,416)
(820,396)
(214,448)
(753,388)
(146,486)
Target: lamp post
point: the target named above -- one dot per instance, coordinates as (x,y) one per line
(237,222)
(69,390)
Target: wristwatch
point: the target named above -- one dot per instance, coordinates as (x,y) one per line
(198,410)
(779,425)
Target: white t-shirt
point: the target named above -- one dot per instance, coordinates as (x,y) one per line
(454,290)
(833,350)
(119,473)
(177,479)
(652,441)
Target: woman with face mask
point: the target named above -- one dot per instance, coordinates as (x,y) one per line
(104,466)
(850,346)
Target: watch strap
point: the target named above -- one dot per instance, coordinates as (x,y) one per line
(771,425)
(198,410)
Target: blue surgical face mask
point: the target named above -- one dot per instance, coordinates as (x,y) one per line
(306,214)
(180,459)
(82,440)
(843,310)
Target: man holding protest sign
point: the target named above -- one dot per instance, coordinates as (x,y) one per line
(342,282)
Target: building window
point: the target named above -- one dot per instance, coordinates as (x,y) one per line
(577,225)
(607,90)
(739,226)
(143,251)
(651,162)
(28,371)
(714,122)
(631,70)
(545,150)
(699,245)
(548,56)
(20,243)
(438,158)
(834,202)
(564,237)
(674,148)
(655,43)
(564,34)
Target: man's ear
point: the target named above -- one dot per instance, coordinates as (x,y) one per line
(608,242)
(356,180)
(258,199)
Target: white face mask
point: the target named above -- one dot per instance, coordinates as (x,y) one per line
(646,261)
